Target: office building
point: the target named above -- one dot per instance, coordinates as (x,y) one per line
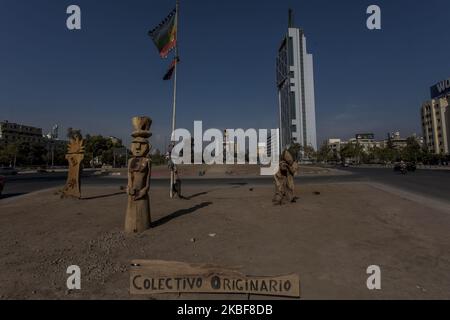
(436,119)
(18,133)
(295,84)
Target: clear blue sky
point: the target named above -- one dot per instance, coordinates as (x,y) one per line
(96,79)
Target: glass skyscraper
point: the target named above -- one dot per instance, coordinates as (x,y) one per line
(295,83)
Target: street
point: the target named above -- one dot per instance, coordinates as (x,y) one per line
(434,184)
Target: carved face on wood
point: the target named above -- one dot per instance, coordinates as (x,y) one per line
(140,149)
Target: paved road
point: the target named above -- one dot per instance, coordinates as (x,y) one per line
(430,183)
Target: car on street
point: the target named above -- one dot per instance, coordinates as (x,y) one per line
(2,184)
(8,171)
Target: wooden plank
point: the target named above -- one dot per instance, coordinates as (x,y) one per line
(157,277)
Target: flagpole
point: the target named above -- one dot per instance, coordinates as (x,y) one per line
(174,110)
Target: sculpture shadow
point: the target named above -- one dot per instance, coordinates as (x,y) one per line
(238,184)
(103,196)
(194,195)
(11,195)
(179,213)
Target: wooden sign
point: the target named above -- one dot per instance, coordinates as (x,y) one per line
(156,277)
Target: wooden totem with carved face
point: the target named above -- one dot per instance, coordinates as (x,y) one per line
(75,156)
(138,218)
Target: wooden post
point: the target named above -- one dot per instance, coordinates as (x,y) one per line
(138,217)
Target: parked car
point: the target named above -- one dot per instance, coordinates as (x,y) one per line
(2,184)
(8,171)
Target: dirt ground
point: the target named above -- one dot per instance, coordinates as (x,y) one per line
(329,239)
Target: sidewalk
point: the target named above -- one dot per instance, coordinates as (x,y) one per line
(329,237)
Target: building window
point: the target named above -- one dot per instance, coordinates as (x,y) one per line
(292,104)
(291,52)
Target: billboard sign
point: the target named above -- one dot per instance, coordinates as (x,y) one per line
(441,88)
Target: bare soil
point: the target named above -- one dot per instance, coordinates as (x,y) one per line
(329,237)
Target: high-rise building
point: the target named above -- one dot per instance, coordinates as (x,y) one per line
(273,141)
(436,119)
(295,83)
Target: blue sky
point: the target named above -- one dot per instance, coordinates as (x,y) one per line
(98,78)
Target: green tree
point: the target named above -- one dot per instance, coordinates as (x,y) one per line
(100,147)
(158,158)
(309,152)
(38,154)
(73,133)
(324,154)
(412,152)
(348,151)
(8,154)
(295,149)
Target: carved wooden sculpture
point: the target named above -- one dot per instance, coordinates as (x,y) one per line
(284,179)
(75,156)
(138,218)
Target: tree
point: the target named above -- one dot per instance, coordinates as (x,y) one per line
(412,152)
(295,149)
(325,154)
(73,133)
(101,148)
(309,152)
(158,158)
(59,154)
(38,154)
(348,151)
(8,154)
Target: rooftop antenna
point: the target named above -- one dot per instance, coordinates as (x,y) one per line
(291,18)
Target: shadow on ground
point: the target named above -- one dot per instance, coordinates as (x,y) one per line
(194,195)
(11,195)
(104,196)
(179,213)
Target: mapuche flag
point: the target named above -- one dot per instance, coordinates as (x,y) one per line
(169,73)
(165,35)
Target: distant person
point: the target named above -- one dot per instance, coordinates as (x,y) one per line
(176,186)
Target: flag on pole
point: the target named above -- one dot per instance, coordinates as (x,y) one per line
(169,72)
(165,35)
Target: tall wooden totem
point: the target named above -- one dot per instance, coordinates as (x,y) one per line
(75,156)
(138,218)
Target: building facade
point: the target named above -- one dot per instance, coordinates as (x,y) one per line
(295,84)
(368,143)
(397,141)
(435,114)
(17,133)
